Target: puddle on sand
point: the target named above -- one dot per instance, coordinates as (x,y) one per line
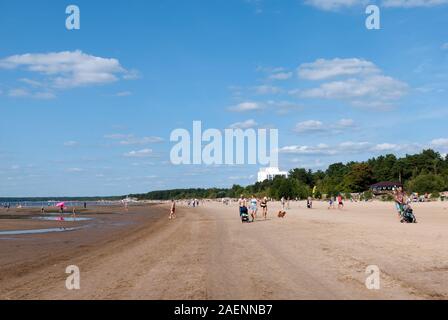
(35,231)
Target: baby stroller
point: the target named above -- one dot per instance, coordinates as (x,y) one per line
(244,214)
(407,215)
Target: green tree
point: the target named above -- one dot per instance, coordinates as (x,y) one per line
(359,178)
(426,183)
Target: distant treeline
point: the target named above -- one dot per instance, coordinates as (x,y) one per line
(426,172)
(46,199)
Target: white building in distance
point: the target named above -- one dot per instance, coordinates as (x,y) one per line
(270,173)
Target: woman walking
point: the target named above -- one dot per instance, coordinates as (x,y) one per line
(253,207)
(264,207)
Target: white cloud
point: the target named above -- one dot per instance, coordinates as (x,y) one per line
(31,82)
(375,91)
(328,150)
(24,93)
(44,95)
(316,126)
(284,106)
(131,140)
(413,3)
(246,106)
(345,123)
(324,69)
(18,93)
(440,143)
(244,125)
(249,177)
(309,126)
(71,143)
(139,153)
(334,4)
(445,46)
(281,76)
(350,147)
(123,94)
(266,89)
(362,83)
(68,69)
(117,136)
(385,147)
(75,170)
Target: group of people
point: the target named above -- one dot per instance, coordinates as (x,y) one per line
(251,206)
(193,203)
(333,200)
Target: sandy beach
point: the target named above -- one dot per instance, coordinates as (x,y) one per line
(207,253)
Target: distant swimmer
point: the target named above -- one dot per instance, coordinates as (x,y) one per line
(173,210)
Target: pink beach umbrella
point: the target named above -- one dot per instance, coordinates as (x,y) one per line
(61,204)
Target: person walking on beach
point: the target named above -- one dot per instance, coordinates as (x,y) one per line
(399,200)
(309,203)
(173,210)
(253,207)
(340,202)
(242,204)
(264,207)
(282,200)
(331,203)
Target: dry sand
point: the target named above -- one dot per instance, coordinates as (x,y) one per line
(207,253)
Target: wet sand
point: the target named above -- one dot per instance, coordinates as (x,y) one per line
(207,253)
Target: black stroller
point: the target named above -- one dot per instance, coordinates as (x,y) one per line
(407,215)
(244,214)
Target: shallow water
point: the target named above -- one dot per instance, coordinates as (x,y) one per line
(69,219)
(53,218)
(35,231)
(13,217)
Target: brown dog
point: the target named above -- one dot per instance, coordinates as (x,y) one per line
(281,214)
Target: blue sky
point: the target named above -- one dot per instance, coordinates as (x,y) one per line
(90,111)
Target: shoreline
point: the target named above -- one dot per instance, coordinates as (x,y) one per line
(207,253)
